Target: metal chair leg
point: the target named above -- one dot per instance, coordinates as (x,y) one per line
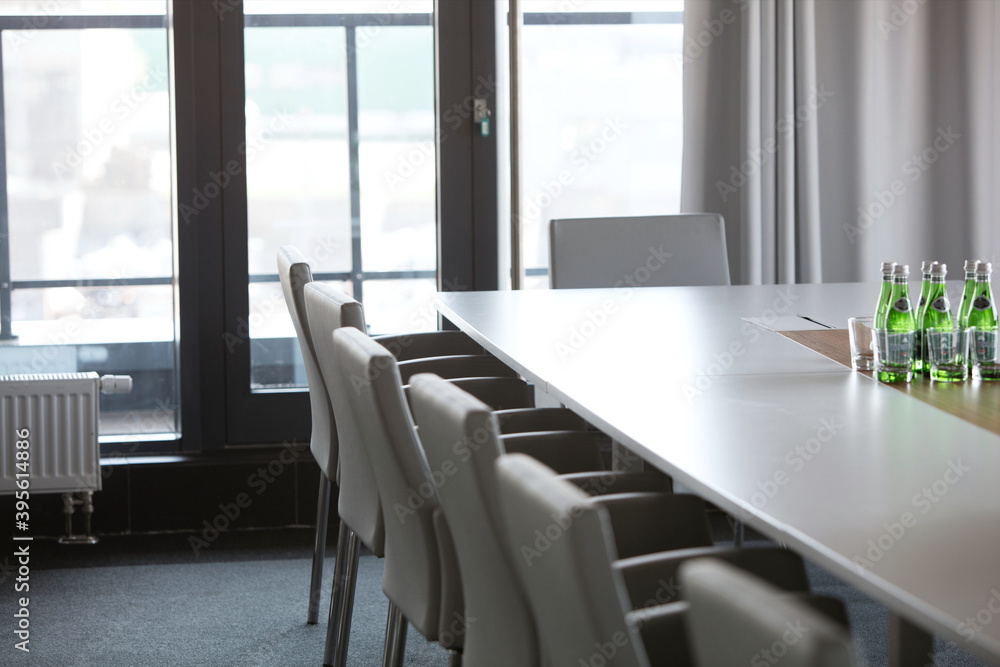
(319,549)
(395,638)
(739,530)
(345,578)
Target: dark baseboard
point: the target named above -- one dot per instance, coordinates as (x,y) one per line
(233,490)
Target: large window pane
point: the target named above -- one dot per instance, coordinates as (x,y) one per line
(382,7)
(88,183)
(601,114)
(359,206)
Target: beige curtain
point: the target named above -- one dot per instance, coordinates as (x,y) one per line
(837,134)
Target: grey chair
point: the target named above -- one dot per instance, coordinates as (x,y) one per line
(358,504)
(295,273)
(565,546)
(461,437)
(645,251)
(733,616)
(360,510)
(420,578)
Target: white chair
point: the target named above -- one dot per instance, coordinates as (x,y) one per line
(294,273)
(645,251)
(461,438)
(734,616)
(586,568)
(359,505)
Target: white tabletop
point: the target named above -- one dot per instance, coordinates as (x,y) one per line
(894,496)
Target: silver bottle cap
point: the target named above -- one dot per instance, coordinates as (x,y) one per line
(887,268)
(984,269)
(925,268)
(970,265)
(901,270)
(939,270)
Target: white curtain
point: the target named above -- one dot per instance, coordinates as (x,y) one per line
(833,135)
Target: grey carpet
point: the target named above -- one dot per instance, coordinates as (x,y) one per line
(242,607)
(136,601)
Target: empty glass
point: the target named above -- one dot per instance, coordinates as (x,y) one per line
(860,331)
(947,352)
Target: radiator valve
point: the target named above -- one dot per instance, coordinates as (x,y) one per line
(116,384)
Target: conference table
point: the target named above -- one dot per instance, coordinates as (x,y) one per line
(891,494)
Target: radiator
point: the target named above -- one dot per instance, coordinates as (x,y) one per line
(60,413)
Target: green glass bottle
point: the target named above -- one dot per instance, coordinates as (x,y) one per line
(883,298)
(897,336)
(937,316)
(970,289)
(925,286)
(983,313)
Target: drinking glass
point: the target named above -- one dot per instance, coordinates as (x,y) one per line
(985,355)
(947,350)
(860,331)
(893,355)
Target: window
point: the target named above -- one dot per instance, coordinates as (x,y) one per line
(340,162)
(601,91)
(86,250)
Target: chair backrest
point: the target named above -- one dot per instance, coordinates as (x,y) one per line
(647,251)
(563,549)
(412,577)
(295,274)
(734,617)
(358,503)
(459,434)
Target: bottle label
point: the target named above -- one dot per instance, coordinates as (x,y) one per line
(901,305)
(981,303)
(939,346)
(984,345)
(941,305)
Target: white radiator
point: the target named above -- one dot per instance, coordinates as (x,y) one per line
(60,413)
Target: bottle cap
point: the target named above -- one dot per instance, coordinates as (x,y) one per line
(939,269)
(901,270)
(970,265)
(887,267)
(984,269)
(925,268)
